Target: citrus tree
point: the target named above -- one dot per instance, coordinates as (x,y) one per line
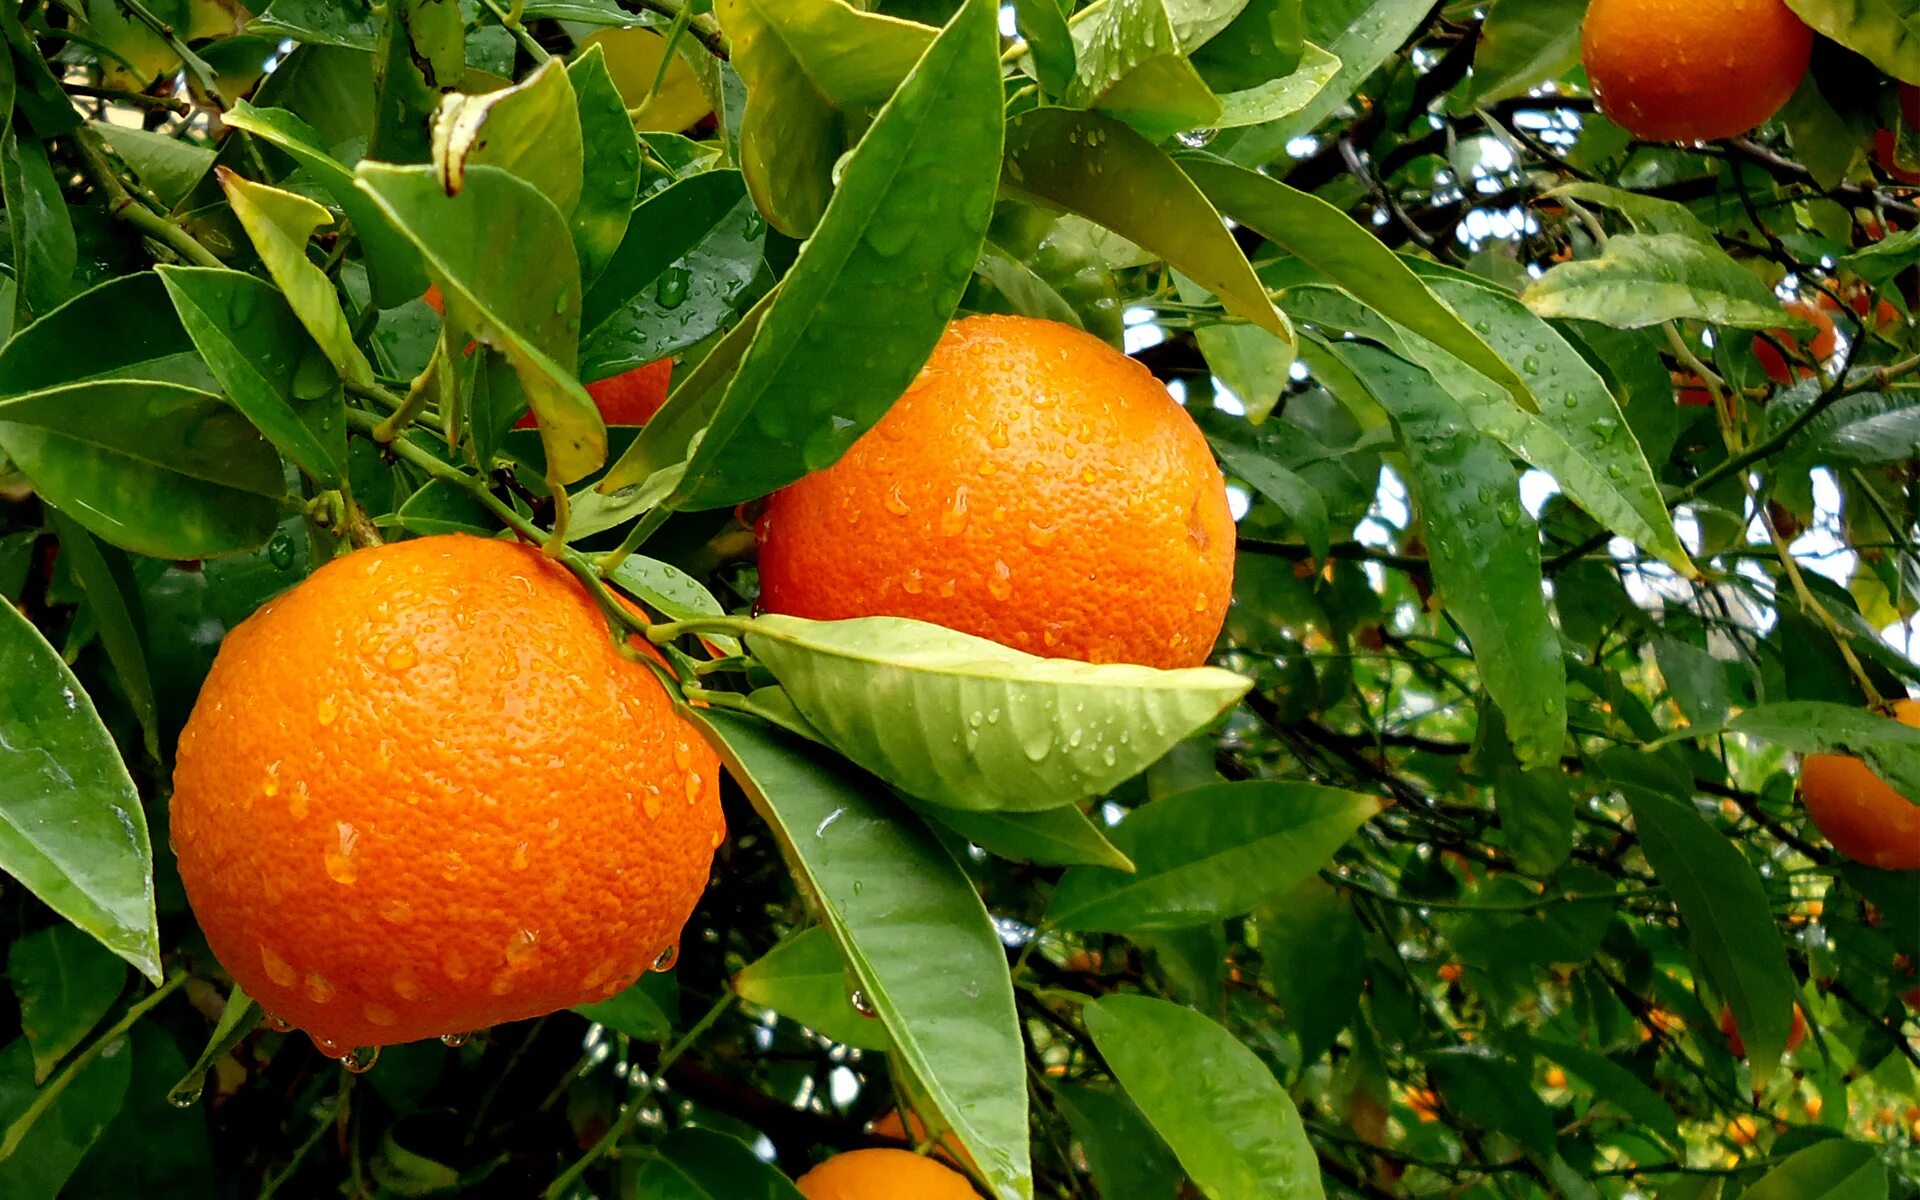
(1249,599)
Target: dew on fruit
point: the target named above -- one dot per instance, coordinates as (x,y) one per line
(339,858)
(521,947)
(277,968)
(666,958)
(895,503)
(379,1014)
(1000,582)
(276,1023)
(318,989)
(455,1039)
(520,857)
(328,710)
(954,519)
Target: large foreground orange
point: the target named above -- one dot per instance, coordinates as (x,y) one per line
(1693,70)
(884,1175)
(1858,811)
(1034,486)
(423,792)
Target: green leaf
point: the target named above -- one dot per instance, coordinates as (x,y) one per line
(1536,815)
(39,1166)
(239,1017)
(1835,1169)
(168,166)
(682,272)
(1330,242)
(113,598)
(611,151)
(530,130)
(1310,949)
(1231,1124)
(44,252)
(1095,167)
(280,224)
(805,979)
(267,364)
(65,982)
(1129,65)
(348,23)
(1724,908)
(420,55)
(1282,97)
(1209,854)
(633,1012)
(907,224)
(1484,549)
(1615,1084)
(1124,1155)
(805,63)
(393,266)
(1884,32)
(1890,748)
(128,329)
(1060,837)
(151,1148)
(1494,1093)
(74,833)
(909,923)
(1647,214)
(1304,506)
(1641,280)
(1524,42)
(504,262)
(1049,42)
(998,729)
(1696,680)
(698,1164)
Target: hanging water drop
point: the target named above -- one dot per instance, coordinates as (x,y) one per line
(360,1059)
(671,290)
(455,1039)
(667,958)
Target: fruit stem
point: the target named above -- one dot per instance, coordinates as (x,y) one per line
(643,529)
(44,1098)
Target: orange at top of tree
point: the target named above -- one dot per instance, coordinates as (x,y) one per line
(423,792)
(884,1175)
(1859,812)
(1807,356)
(1693,70)
(1796,1032)
(1034,486)
(1864,301)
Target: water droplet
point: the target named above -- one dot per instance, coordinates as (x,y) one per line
(861,1004)
(318,989)
(913,584)
(520,857)
(278,969)
(1530,365)
(954,519)
(455,1039)
(671,290)
(402,658)
(328,710)
(360,1059)
(896,503)
(693,786)
(666,958)
(521,947)
(1000,583)
(272,785)
(454,965)
(186,1093)
(339,858)
(280,551)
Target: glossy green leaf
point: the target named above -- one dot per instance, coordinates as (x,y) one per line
(1282,97)
(1890,747)
(1536,815)
(1697,681)
(38,1168)
(74,833)
(280,223)
(909,923)
(805,979)
(393,265)
(1231,1124)
(1524,42)
(65,982)
(530,130)
(680,275)
(805,62)
(1615,1084)
(44,251)
(1130,65)
(1642,279)
(1835,1169)
(611,150)
(906,224)
(1728,920)
(1484,549)
(151,1148)
(113,599)
(698,1164)
(999,729)
(129,330)
(633,1012)
(1311,951)
(239,1017)
(1049,42)
(268,365)
(347,23)
(1097,168)
(166,165)
(1211,853)
(1061,837)
(1124,1155)
(1328,240)
(1494,1093)
(1304,506)
(1647,214)
(504,262)
(1884,32)
(419,56)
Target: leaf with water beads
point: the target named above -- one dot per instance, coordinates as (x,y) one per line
(237,1020)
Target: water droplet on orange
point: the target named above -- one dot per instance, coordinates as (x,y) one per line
(1000,583)
(954,519)
(521,947)
(520,857)
(380,1014)
(328,710)
(406,984)
(339,858)
(896,503)
(278,969)
(318,989)
(913,584)
(454,965)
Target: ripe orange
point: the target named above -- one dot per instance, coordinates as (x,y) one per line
(1693,70)
(1691,391)
(1034,486)
(1796,1032)
(1859,812)
(1886,146)
(1805,355)
(1861,299)
(884,1175)
(423,792)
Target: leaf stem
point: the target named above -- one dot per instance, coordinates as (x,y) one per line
(202,73)
(705,29)
(510,21)
(125,206)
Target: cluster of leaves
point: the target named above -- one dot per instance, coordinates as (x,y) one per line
(1500,813)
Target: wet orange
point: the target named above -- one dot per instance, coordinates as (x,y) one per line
(884,1175)
(1796,1032)
(423,793)
(1805,354)
(1034,486)
(1693,70)
(1859,812)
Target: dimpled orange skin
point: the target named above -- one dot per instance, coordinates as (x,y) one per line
(1860,814)
(1693,70)
(630,398)
(884,1175)
(423,793)
(1034,486)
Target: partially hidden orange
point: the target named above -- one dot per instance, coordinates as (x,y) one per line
(1859,812)
(1035,487)
(1796,1032)
(1693,70)
(884,1175)
(424,792)
(1806,356)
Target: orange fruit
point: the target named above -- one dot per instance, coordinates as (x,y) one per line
(1860,813)
(1796,1032)
(1556,1078)
(1886,145)
(1861,299)
(1034,486)
(424,792)
(1691,391)
(1693,70)
(1805,356)
(884,1175)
